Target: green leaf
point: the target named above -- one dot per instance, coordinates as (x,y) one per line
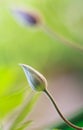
(24,125)
(25,111)
(10,95)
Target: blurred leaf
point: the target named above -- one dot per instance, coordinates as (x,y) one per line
(24,125)
(9,102)
(7,77)
(9,97)
(24,111)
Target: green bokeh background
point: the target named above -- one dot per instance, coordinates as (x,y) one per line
(31,45)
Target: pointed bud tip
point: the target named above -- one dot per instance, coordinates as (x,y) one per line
(36,80)
(21,64)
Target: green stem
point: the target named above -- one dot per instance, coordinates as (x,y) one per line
(60,38)
(59,112)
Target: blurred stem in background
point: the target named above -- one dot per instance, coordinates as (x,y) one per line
(30,18)
(61,39)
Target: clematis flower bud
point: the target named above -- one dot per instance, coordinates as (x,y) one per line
(39,83)
(25,17)
(31,18)
(36,80)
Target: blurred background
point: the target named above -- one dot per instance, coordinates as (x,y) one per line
(60,64)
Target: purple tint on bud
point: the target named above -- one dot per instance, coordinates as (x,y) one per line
(25,17)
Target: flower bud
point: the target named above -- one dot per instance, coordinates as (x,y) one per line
(36,80)
(25,17)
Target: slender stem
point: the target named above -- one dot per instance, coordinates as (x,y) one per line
(59,112)
(60,38)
